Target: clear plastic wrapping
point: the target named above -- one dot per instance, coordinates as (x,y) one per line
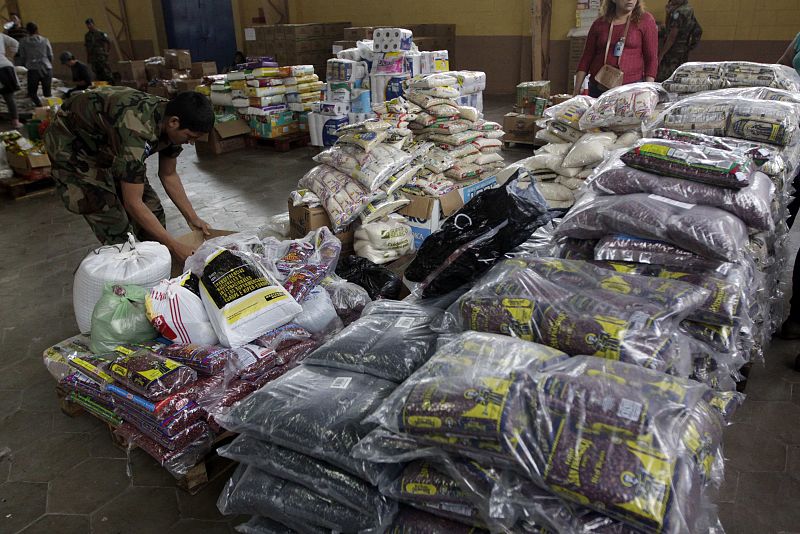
(348,299)
(478,235)
(316,411)
(205,359)
(252,491)
(707,231)
(693,77)
(579,314)
(371,169)
(380,282)
(752,119)
(620,247)
(415,521)
(316,475)
(693,162)
(342,197)
(390,341)
(752,203)
(627,105)
(190,449)
(571,111)
(148,374)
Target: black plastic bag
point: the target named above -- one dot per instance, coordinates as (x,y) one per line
(380,282)
(477,236)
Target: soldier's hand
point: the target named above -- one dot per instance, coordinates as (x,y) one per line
(197,223)
(181,252)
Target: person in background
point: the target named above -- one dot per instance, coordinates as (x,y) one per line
(36,55)
(97,49)
(15,29)
(8,77)
(80,73)
(791,58)
(238,59)
(98,144)
(635,54)
(681,35)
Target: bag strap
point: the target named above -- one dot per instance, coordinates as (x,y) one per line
(610,33)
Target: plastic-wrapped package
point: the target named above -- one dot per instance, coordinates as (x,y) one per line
(440,92)
(252,491)
(316,411)
(371,169)
(322,478)
(205,359)
(415,521)
(707,231)
(693,77)
(424,486)
(571,111)
(454,140)
(631,249)
(283,337)
(348,299)
(556,195)
(304,197)
(265,525)
(563,131)
(80,383)
(374,211)
(148,374)
(390,341)
(515,300)
(318,315)
(589,149)
(752,203)
(169,431)
(240,241)
(342,197)
(119,317)
(365,140)
(692,162)
(438,160)
(392,234)
(380,282)
(59,358)
(472,395)
(175,309)
(242,299)
(178,461)
(751,119)
(626,105)
(623,422)
(474,238)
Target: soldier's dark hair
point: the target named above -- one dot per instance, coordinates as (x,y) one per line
(90,20)
(32,28)
(193,110)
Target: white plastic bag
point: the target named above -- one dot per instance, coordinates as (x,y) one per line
(242,299)
(318,315)
(141,263)
(589,149)
(391,234)
(175,309)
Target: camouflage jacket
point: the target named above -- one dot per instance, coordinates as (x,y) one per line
(112,129)
(96,42)
(689,30)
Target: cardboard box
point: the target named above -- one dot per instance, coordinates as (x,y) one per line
(225,137)
(159,90)
(303,220)
(527,92)
(166,73)
(334,30)
(274,125)
(356,33)
(338,46)
(534,107)
(425,215)
(187,85)
(518,127)
(151,71)
(425,44)
(30,165)
(203,68)
(133,84)
(194,239)
(41,113)
(301,31)
(175,58)
(132,70)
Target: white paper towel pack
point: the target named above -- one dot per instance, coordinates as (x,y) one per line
(434,61)
(391,39)
(322,128)
(345,70)
(220,98)
(340,94)
(385,87)
(352,54)
(360,101)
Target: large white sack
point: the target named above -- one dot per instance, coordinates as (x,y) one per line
(177,312)
(242,299)
(319,316)
(141,263)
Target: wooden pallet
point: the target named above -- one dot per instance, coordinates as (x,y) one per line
(513,144)
(286,142)
(196,478)
(19,188)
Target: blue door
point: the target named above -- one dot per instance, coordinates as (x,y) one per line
(204,27)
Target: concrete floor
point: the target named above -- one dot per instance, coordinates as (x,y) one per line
(63,475)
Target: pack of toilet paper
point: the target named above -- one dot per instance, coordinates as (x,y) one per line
(391,39)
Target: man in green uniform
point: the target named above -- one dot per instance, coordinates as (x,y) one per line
(98,144)
(681,35)
(97,47)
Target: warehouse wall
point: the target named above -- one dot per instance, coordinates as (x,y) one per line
(494,35)
(61,21)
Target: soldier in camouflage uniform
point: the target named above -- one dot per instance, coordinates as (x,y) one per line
(98,144)
(97,47)
(680,35)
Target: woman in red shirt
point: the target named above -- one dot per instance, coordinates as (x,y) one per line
(635,54)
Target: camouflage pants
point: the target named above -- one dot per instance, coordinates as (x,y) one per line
(673,59)
(112,224)
(101,70)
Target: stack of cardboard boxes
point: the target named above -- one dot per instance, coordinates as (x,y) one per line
(133,73)
(427,37)
(294,44)
(532,99)
(177,74)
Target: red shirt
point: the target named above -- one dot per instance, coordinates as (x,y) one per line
(640,56)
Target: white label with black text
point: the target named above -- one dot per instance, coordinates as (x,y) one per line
(341,383)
